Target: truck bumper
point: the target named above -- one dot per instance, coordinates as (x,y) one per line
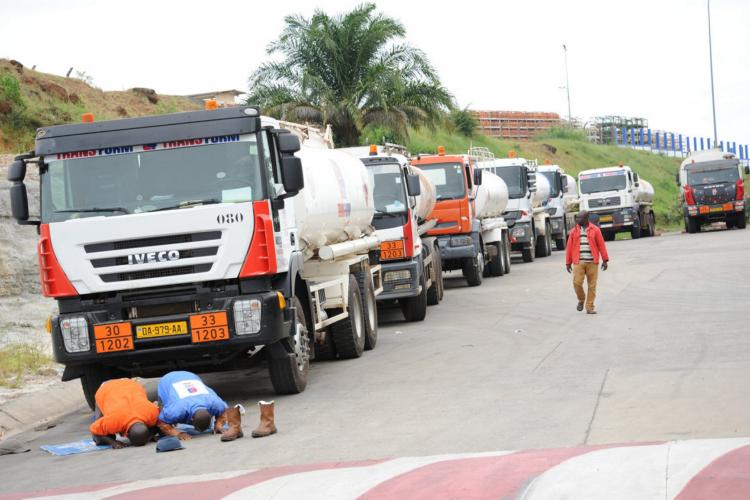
(715,213)
(521,235)
(400,279)
(458,246)
(158,355)
(617,220)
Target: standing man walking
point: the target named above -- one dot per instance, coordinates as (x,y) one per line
(585,248)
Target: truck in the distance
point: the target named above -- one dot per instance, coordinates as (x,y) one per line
(197,240)
(530,227)
(410,260)
(622,200)
(712,190)
(562,190)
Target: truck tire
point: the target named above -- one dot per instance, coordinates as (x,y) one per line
(651,224)
(635,231)
(741,221)
(349,334)
(289,373)
(496,262)
(415,308)
(92,377)
(435,293)
(608,235)
(560,242)
(473,269)
(506,253)
(370,307)
(326,350)
(692,225)
(544,243)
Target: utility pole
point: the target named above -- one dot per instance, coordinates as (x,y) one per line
(567,85)
(711,63)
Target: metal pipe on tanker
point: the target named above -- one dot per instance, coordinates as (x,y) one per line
(335,251)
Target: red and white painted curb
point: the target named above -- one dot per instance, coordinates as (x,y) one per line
(686,470)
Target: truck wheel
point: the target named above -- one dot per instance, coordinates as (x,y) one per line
(741,221)
(692,225)
(544,243)
(326,350)
(496,262)
(506,253)
(349,334)
(560,242)
(608,235)
(440,272)
(435,293)
(289,373)
(635,231)
(473,269)
(367,289)
(415,308)
(94,376)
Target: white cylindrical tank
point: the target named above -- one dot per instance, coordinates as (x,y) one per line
(336,203)
(492,196)
(427,197)
(571,190)
(542,190)
(644,193)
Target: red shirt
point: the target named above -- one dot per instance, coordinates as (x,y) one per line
(122,402)
(596,243)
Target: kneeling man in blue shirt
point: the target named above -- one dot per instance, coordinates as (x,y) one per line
(185,399)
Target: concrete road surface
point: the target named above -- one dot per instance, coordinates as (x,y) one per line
(508,365)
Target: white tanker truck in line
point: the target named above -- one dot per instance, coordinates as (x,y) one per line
(623,201)
(195,240)
(530,226)
(562,196)
(410,261)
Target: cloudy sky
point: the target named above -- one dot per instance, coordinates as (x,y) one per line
(644,58)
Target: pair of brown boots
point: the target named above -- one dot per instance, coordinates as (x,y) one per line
(233,418)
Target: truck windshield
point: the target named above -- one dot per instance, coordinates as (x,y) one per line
(448,179)
(602,181)
(388,188)
(137,179)
(554,183)
(712,174)
(514,178)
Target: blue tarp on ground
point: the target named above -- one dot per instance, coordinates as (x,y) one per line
(74,448)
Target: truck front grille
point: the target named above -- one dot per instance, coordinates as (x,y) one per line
(184,254)
(155,273)
(604,202)
(153,241)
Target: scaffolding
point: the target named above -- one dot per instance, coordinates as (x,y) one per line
(602,129)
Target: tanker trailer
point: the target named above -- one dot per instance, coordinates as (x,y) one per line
(490,203)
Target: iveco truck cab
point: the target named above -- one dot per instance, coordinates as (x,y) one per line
(458,231)
(712,190)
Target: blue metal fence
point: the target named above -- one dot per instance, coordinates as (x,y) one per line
(673,144)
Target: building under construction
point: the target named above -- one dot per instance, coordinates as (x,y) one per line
(602,129)
(518,125)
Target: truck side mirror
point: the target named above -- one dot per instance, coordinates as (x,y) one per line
(412,185)
(288,143)
(17,171)
(564,183)
(291,171)
(747,169)
(531,179)
(477,176)
(19,202)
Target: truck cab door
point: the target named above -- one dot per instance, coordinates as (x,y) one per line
(282,211)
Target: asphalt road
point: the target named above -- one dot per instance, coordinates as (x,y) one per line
(509,365)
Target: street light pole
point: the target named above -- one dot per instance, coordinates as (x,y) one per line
(711,63)
(567,84)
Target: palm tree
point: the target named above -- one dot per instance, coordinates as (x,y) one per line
(349,71)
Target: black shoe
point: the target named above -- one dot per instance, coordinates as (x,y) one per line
(579,307)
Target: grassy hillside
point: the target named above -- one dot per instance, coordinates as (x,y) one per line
(31,99)
(574,154)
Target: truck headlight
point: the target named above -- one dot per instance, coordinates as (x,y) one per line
(404,274)
(518,231)
(247,316)
(461,241)
(75,333)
